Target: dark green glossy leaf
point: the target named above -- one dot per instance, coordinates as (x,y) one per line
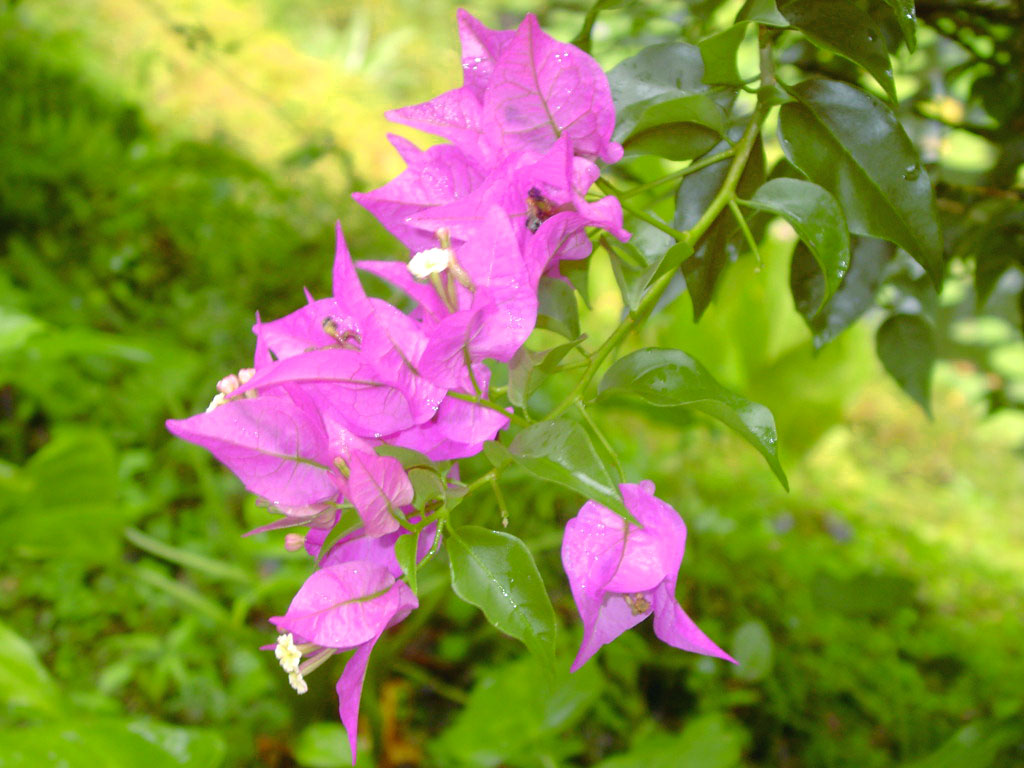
(851,144)
(405,552)
(577,272)
(817,219)
(673,127)
(561,451)
(717,247)
(763,12)
(856,293)
(556,308)
(528,369)
(656,70)
(427,485)
(842,27)
(719,55)
(496,573)
(906,18)
(670,377)
(906,346)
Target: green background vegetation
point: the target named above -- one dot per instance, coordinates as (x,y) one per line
(168,167)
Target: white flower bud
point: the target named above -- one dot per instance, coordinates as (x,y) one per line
(296,681)
(432,261)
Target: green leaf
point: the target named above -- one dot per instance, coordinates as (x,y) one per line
(633,280)
(851,144)
(977,745)
(84,744)
(719,55)
(16,329)
(707,741)
(577,272)
(427,486)
(556,308)
(670,377)
(24,681)
(194,747)
(406,549)
(496,573)
(656,70)
(752,649)
(347,523)
(763,12)
(68,486)
(510,718)
(856,293)
(323,745)
(406,456)
(817,219)
(528,369)
(906,18)
(673,127)
(906,346)
(846,29)
(561,451)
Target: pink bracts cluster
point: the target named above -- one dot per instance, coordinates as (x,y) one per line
(485,217)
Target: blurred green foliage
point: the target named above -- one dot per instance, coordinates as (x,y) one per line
(874,610)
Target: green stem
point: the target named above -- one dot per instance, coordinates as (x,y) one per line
(603,440)
(745,229)
(718,204)
(693,167)
(513,417)
(502,506)
(481,481)
(417,674)
(608,188)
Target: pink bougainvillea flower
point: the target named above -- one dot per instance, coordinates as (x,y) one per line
(358,545)
(341,607)
(620,573)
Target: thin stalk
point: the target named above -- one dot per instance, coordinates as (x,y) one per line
(184,558)
(745,229)
(693,167)
(502,506)
(513,417)
(603,440)
(418,675)
(610,189)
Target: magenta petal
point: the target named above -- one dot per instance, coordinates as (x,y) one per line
(346,285)
(350,691)
(614,616)
(464,422)
(397,273)
(674,627)
(441,174)
(343,605)
(454,115)
(653,552)
(303,329)
(481,48)
(345,387)
(377,485)
(542,89)
(277,449)
(350,684)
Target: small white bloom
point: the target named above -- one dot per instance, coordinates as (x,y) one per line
(245,374)
(218,399)
(228,384)
(288,654)
(296,681)
(429,262)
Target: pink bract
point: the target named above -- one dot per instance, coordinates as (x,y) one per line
(620,573)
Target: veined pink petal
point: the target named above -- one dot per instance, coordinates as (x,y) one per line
(342,606)
(654,552)
(614,615)
(350,684)
(278,450)
(345,283)
(376,485)
(481,48)
(454,115)
(397,273)
(541,89)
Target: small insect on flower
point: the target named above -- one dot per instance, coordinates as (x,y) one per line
(538,209)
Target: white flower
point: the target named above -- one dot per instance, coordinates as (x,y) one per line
(289,655)
(296,681)
(429,262)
